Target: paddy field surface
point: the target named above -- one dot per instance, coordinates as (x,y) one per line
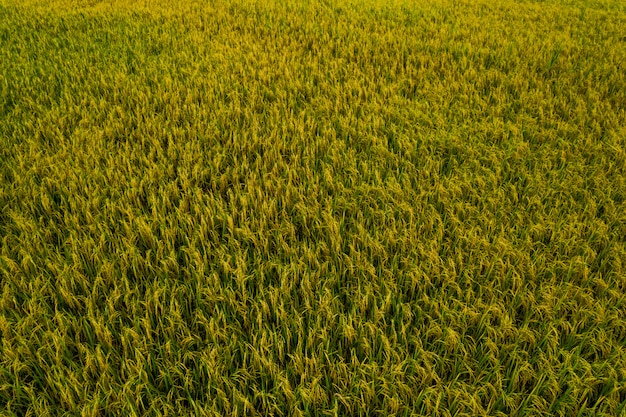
(313,208)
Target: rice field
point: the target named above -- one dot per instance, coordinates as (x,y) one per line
(313,208)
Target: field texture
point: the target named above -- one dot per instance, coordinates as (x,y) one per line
(313,208)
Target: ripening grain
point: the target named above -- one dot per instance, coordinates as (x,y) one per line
(310,208)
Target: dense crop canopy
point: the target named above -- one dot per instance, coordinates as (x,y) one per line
(382,207)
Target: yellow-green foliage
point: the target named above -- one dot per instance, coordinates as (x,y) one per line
(313,208)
